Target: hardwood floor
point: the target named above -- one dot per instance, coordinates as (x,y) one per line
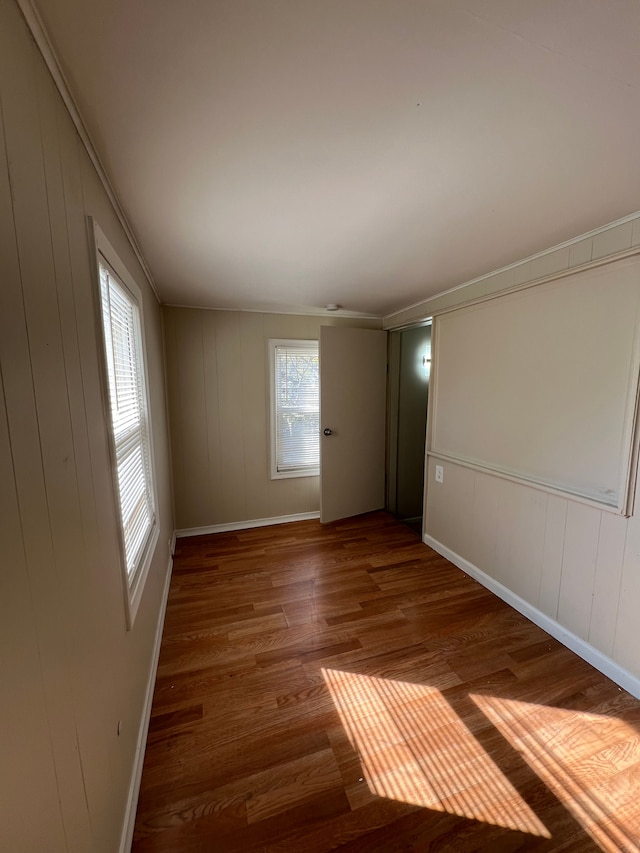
(345,687)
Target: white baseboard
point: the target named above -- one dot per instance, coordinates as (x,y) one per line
(126,837)
(596,658)
(245,525)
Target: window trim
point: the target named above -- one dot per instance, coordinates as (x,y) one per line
(132,584)
(273,458)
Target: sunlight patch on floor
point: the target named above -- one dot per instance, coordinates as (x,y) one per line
(415,749)
(589,761)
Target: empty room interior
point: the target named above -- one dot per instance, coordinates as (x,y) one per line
(320,374)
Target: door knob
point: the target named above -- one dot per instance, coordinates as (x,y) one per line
(327,431)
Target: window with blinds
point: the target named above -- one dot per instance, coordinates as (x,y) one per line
(295,408)
(129,417)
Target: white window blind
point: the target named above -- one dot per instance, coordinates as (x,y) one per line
(129,421)
(296,408)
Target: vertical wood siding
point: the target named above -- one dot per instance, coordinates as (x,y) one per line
(70,670)
(576,564)
(218,389)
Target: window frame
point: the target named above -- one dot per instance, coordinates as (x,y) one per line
(309,471)
(133,582)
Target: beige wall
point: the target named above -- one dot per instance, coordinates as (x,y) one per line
(69,669)
(218,381)
(575,564)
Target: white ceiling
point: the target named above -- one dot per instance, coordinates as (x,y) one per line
(281,153)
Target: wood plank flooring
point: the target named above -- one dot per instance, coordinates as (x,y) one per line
(345,687)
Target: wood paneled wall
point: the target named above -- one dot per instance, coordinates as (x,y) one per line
(576,564)
(70,673)
(218,389)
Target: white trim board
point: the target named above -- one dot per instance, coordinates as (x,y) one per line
(246,525)
(126,837)
(583,649)
(525,481)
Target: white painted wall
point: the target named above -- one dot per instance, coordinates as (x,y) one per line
(69,670)
(574,564)
(577,565)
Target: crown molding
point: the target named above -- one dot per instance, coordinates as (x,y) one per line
(43,42)
(567,243)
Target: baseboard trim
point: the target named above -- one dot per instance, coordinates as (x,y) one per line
(246,525)
(126,838)
(586,651)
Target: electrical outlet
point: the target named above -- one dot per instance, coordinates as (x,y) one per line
(439,474)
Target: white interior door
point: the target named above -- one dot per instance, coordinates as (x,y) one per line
(353,386)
